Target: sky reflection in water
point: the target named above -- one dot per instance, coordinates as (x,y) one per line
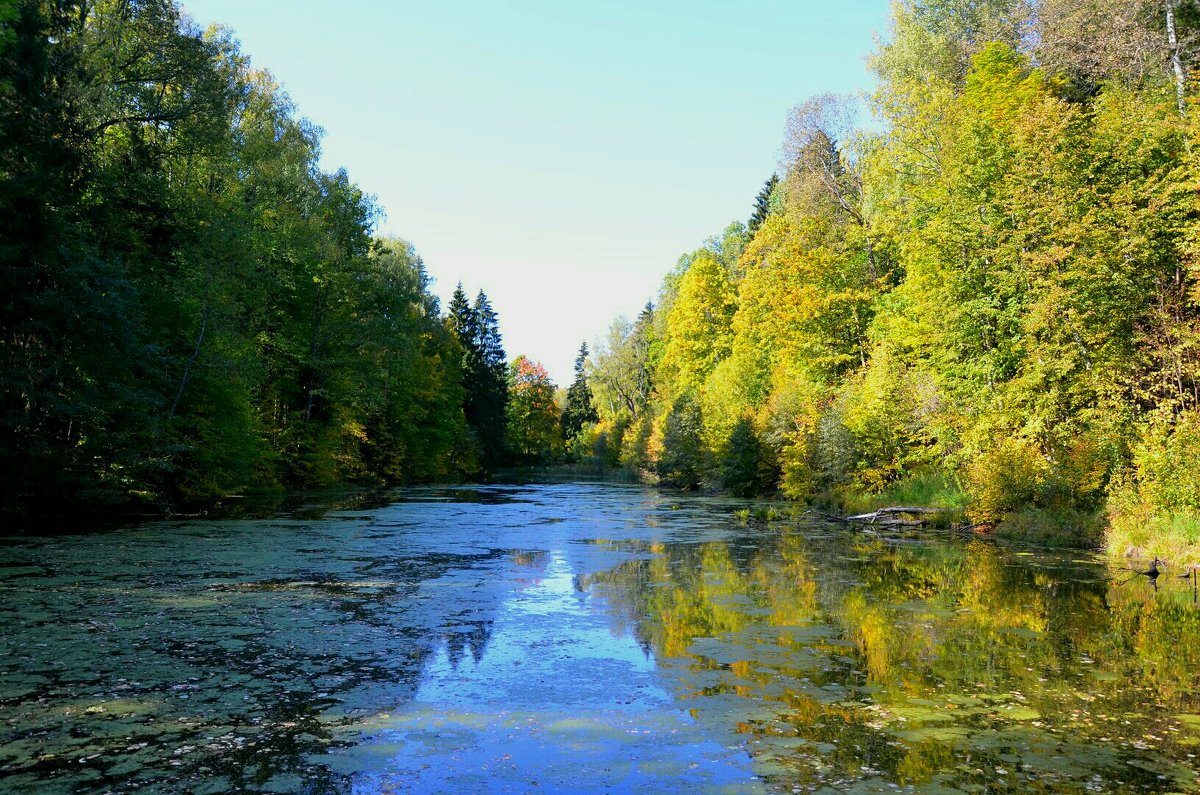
(557,638)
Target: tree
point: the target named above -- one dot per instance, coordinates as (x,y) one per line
(533,417)
(746,466)
(762,204)
(408,392)
(684,460)
(490,381)
(578,410)
(484,373)
(1126,42)
(621,376)
(191,304)
(698,329)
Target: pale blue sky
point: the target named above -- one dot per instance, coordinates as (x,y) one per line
(558,155)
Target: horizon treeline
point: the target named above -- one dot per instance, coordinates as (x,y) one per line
(191,305)
(987,297)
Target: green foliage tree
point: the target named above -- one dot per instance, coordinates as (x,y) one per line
(998,289)
(534,430)
(747,467)
(621,377)
(762,204)
(191,304)
(485,374)
(488,384)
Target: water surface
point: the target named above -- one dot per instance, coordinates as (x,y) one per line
(583,637)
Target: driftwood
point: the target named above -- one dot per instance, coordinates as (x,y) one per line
(895,516)
(892,516)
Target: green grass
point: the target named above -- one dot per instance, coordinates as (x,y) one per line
(922,489)
(1174,537)
(1049,527)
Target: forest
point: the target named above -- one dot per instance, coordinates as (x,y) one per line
(192,307)
(977,287)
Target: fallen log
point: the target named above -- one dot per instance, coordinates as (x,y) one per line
(890,516)
(900,523)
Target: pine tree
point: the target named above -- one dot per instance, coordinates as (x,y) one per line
(578,410)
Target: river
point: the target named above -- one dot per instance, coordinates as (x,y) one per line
(583,637)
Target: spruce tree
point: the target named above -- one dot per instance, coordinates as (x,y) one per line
(684,459)
(578,410)
(762,204)
(461,319)
(484,373)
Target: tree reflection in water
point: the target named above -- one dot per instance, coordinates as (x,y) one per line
(943,663)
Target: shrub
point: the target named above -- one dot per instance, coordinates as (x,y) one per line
(1154,506)
(1011,475)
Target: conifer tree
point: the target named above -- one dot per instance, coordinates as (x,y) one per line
(484,372)
(746,467)
(487,386)
(461,319)
(684,459)
(578,410)
(762,204)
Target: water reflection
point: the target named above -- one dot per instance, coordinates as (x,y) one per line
(574,637)
(557,702)
(948,665)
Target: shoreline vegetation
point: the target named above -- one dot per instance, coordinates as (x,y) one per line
(976,289)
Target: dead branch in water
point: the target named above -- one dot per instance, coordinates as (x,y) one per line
(895,516)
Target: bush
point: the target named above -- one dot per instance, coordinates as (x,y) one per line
(1154,506)
(1011,475)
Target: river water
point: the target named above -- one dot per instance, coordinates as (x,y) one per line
(583,637)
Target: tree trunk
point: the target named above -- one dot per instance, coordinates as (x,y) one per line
(187,369)
(1176,62)
(314,350)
